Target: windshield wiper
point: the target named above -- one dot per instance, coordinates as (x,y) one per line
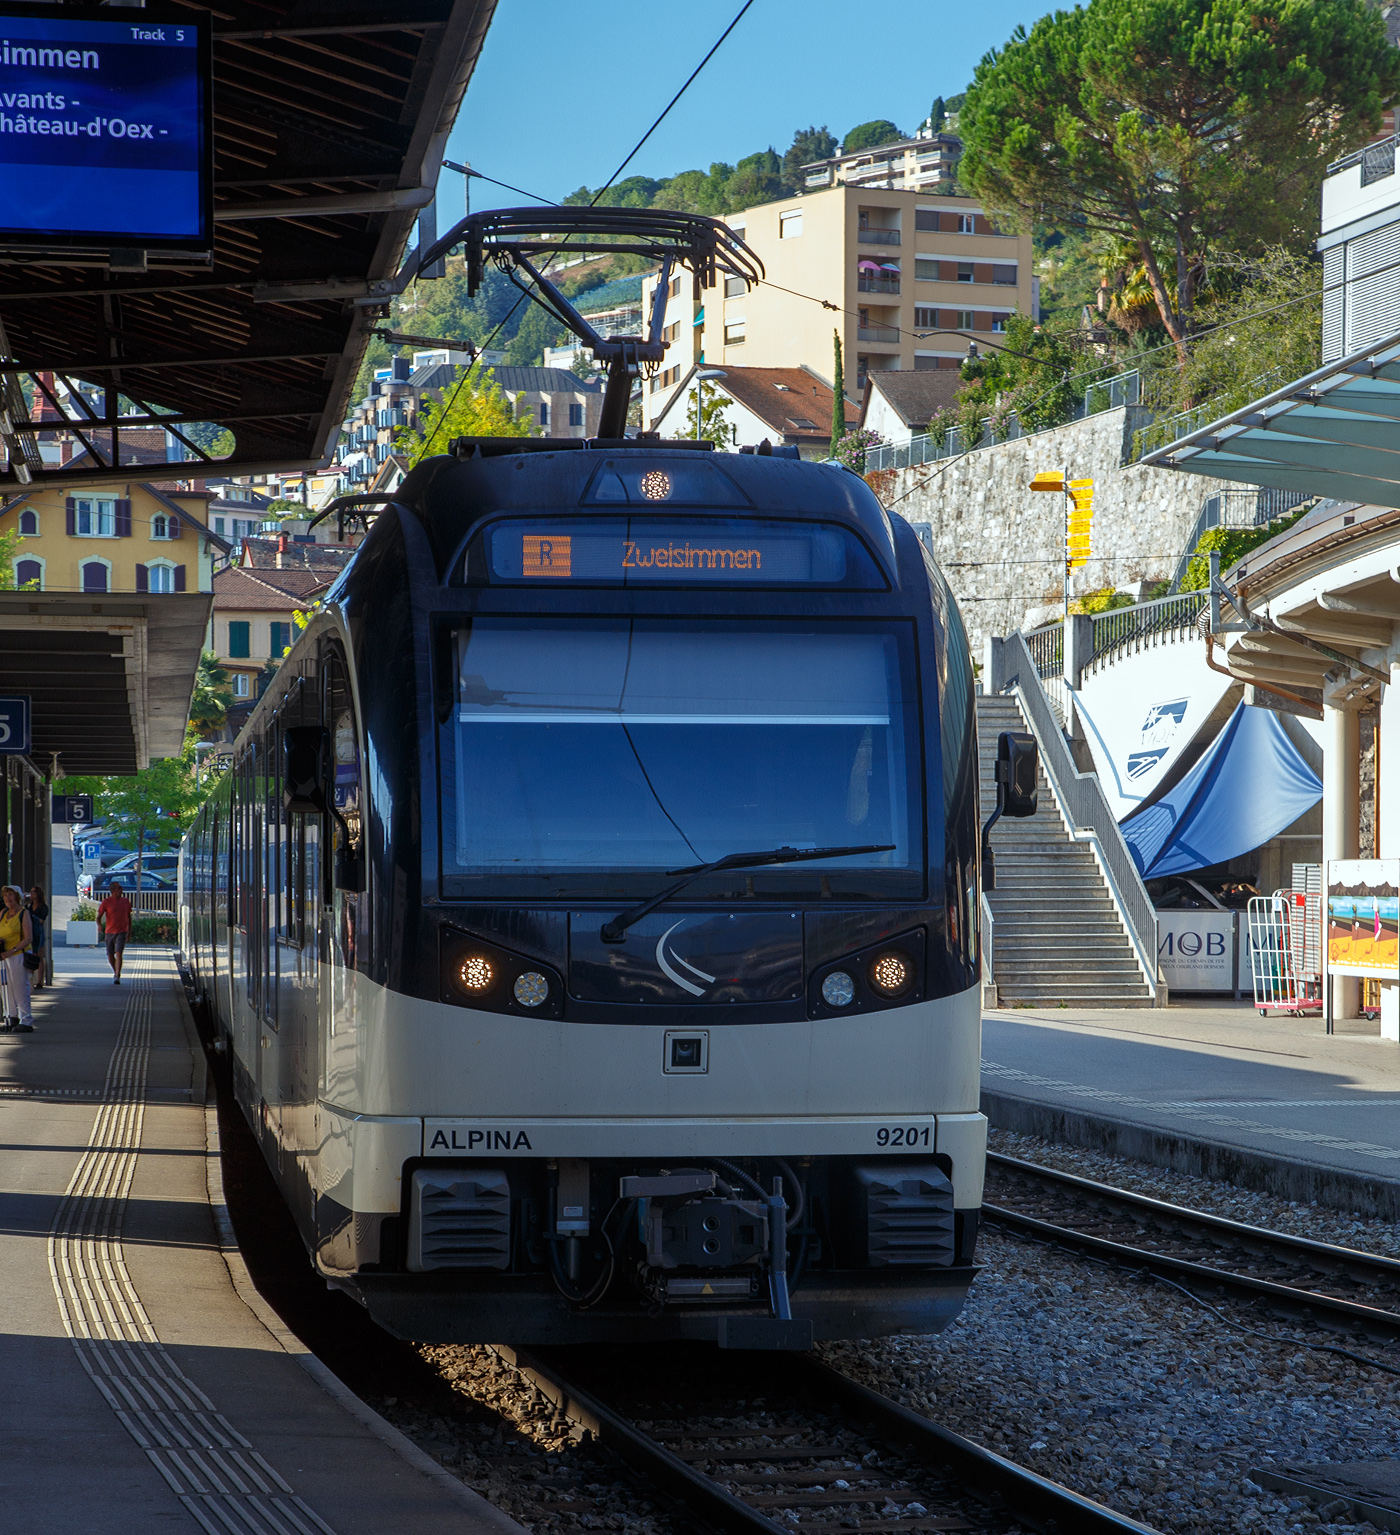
(613,932)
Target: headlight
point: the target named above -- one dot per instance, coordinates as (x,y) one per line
(838,989)
(891,973)
(476,974)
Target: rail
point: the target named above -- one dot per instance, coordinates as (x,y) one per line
(1083,803)
(1124,631)
(1236,509)
(1047,650)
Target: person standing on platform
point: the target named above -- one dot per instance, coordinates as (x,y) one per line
(39,917)
(16,935)
(114,923)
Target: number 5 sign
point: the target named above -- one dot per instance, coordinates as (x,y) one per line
(14,726)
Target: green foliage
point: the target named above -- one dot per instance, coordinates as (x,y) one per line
(283,506)
(212,698)
(838,395)
(84,911)
(756,179)
(472,406)
(146,811)
(808,144)
(850,450)
(1265,328)
(871,136)
(1183,126)
(223,444)
(1233,544)
(1041,386)
(154,929)
(709,424)
(538,329)
(1103,601)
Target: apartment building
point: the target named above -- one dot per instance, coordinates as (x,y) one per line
(926,161)
(913,277)
(1360,249)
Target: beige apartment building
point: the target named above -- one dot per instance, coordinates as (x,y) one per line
(913,164)
(914,277)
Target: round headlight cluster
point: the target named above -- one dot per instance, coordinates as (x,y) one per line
(530,988)
(891,973)
(477,974)
(656,484)
(838,989)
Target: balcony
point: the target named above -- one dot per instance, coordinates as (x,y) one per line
(870,284)
(877,333)
(878,237)
(820,178)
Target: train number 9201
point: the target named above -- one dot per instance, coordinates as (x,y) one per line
(904,1135)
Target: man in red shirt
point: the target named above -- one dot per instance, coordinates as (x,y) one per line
(114,922)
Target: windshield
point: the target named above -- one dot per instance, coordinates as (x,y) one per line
(587,751)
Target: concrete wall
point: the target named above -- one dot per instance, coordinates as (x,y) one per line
(1000,544)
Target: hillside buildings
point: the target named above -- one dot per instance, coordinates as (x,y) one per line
(927,162)
(906,278)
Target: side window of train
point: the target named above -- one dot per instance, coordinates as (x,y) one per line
(348,798)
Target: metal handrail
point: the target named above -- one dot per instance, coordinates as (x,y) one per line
(1145,623)
(1236,509)
(1085,808)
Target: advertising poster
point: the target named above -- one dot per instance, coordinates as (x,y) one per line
(1363,917)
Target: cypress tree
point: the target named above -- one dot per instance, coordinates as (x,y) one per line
(838,399)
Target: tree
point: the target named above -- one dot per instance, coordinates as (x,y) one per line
(871,136)
(212,698)
(756,179)
(708,423)
(473,406)
(538,329)
(808,144)
(838,396)
(146,810)
(1185,126)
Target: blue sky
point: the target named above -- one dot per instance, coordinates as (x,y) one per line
(563,91)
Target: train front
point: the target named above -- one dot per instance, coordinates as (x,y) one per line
(680,1036)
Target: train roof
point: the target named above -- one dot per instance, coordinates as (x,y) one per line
(452,494)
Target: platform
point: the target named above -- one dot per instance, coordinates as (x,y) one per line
(1209,1087)
(142,1392)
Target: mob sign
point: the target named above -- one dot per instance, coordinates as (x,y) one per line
(1196,950)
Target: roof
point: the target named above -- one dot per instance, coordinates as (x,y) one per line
(109,677)
(186,515)
(1334,432)
(260,554)
(915,396)
(791,401)
(544,380)
(328,136)
(270,591)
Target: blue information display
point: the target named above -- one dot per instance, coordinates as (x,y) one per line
(14,726)
(104,128)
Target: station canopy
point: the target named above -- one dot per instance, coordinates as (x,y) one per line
(1334,433)
(330,124)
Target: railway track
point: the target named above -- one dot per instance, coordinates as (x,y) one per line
(760,1443)
(1336,1287)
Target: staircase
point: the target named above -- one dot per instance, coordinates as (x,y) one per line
(1057,933)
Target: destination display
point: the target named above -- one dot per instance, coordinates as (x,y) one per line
(104,128)
(683,551)
(1363,917)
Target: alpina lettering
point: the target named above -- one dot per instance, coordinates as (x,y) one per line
(480,1140)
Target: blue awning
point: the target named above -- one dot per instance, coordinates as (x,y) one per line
(1251,783)
(1335,432)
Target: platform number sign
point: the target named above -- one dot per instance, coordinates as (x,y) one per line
(14,726)
(72,809)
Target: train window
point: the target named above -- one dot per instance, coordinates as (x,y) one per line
(590,746)
(676,551)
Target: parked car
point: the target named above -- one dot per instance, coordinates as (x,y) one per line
(100,885)
(123,867)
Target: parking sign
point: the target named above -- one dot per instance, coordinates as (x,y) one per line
(14,726)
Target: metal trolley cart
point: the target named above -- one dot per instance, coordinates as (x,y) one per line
(1285,952)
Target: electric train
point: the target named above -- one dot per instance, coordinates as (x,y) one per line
(590,914)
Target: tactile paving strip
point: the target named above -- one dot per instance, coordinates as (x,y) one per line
(213,1470)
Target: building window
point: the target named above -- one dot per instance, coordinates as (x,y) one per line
(218,524)
(967,319)
(1004,275)
(575,415)
(965,272)
(967,223)
(862,371)
(671,332)
(158,526)
(238,639)
(925,319)
(280,639)
(29,522)
(160,578)
(738,231)
(790,225)
(95,576)
(95,517)
(924,364)
(241,681)
(674,291)
(734,333)
(735,287)
(27,571)
(925,218)
(999,321)
(926,269)
(544,412)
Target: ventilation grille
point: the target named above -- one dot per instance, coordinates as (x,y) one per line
(459,1220)
(908,1216)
